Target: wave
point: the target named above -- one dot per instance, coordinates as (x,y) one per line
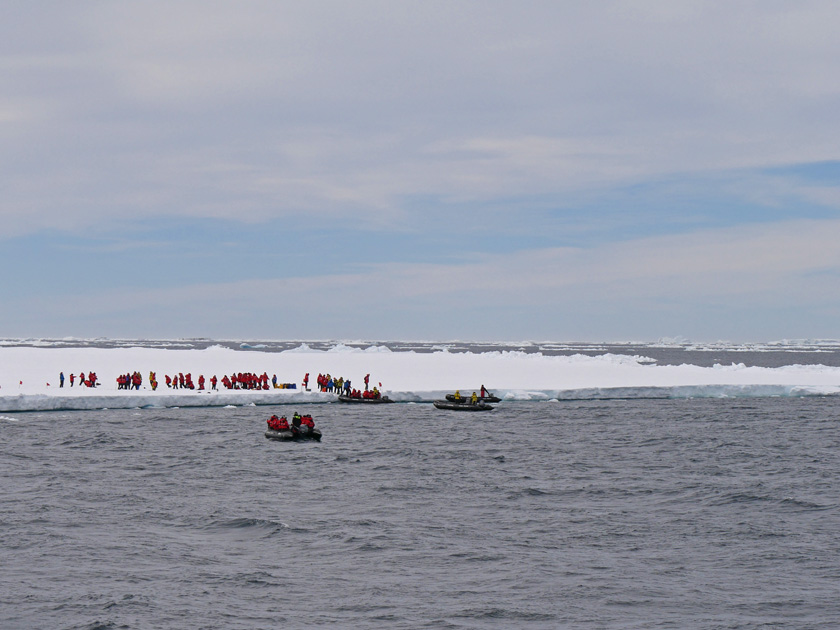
(247,523)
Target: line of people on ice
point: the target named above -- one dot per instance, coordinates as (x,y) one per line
(341,386)
(246,380)
(88,381)
(326,383)
(238,380)
(185,381)
(129,381)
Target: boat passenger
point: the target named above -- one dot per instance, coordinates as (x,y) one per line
(457,395)
(474,399)
(278,424)
(307,421)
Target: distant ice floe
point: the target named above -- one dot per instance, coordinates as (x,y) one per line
(419,374)
(302,348)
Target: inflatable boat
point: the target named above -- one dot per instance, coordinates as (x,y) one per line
(462,406)
(466,399)
(304,433)
(367,401)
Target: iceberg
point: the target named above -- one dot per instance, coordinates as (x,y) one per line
(29,374)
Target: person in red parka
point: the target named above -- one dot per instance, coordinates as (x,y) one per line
(278,424)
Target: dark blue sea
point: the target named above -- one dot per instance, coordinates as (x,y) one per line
(708,513)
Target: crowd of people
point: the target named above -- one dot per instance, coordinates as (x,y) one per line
(235,381)
(87,381)
(344,387)
(129,381)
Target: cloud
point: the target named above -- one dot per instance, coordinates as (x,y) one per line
(260,110)
(767,267)
(601,153)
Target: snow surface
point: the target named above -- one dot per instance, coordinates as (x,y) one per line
(29,376)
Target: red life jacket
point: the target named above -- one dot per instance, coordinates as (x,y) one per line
(278,424)
(307,421)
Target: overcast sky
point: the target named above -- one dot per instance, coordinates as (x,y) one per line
(477,170)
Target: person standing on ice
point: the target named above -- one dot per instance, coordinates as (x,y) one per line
(61,379)
(367,378)
(72,378)
(306,381)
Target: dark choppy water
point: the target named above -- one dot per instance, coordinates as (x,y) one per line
(599,514)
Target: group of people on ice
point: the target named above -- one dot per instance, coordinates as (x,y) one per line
(342,386)
(87,381)
(238,380)
(129,381)
(185,381)
(326,383)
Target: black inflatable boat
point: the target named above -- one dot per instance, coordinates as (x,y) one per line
(466,399)
(366,401)
(303,433)
(455,406)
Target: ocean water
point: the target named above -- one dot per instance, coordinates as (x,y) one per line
(712,513)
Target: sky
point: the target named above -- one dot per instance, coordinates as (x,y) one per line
(437,170)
